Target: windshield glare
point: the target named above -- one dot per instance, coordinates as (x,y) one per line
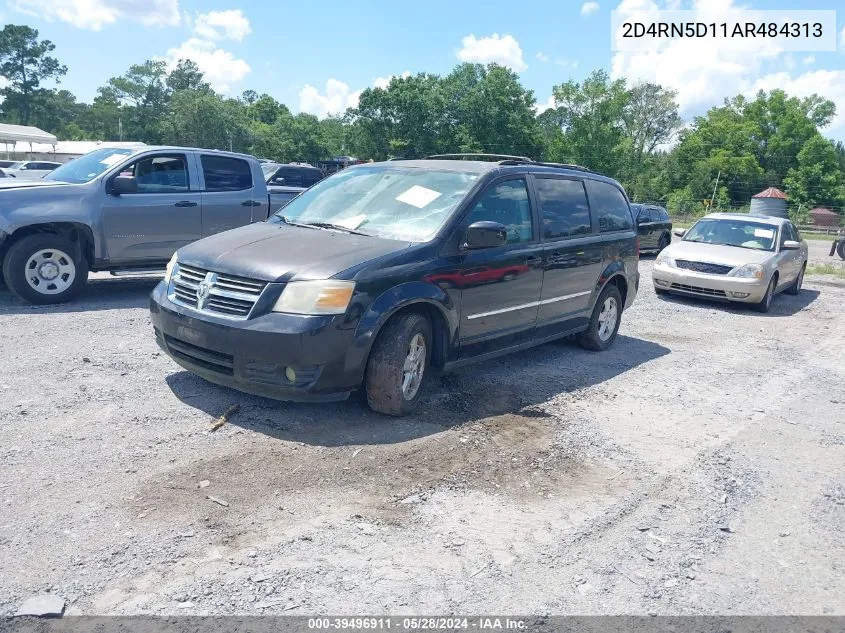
(728,232)
(391,202)
(89,166)
(269,169)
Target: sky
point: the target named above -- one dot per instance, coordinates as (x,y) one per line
(317,56)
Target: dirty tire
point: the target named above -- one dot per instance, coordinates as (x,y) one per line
(765,304)
(840,249)
(384,376)
(795,288)
(590,338)
(19,254)
(664,242)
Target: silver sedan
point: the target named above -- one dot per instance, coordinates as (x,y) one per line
(734,257)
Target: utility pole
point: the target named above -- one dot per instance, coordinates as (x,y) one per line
(120,128)
(713,199)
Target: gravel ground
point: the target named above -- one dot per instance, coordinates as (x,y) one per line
(696,467)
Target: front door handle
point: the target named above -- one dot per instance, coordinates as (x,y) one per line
(185,203)
(251,203)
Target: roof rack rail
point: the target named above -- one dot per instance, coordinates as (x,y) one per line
(471,156)
(565,166)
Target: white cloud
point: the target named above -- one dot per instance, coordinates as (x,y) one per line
(220,67)
(337,98)
(542,107)
(542,57)
(95,14)
(589,7)
(809,60)
(384,82)
(703,73)
(503,50)
(219,25)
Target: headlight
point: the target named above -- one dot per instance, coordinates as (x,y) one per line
(327,296)
(168,272)
(664,259)
(748,271)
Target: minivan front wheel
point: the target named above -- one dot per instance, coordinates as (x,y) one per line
(398,364)
(604,322)
(44,269)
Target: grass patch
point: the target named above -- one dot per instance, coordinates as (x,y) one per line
(826,269)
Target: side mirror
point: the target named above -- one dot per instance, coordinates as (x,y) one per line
(124,184)
(486,234)
(791,245)
(278,181)
(680,232)
(641,219)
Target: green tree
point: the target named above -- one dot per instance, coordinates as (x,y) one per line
(143,94)
(25,63)
(591,115)
(818,179)
(186,76)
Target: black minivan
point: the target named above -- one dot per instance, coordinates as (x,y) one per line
(385,270)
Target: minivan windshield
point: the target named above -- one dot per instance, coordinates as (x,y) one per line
(733,232)
(400,203)
(89,166)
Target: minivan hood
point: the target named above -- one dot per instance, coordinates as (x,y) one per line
(281,252)
(716,253)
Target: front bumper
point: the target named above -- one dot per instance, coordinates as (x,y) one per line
(718,287)
(252,355)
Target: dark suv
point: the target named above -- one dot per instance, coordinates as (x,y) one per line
(653,225)
(383,270)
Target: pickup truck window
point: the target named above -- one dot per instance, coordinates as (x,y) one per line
(159,174)
(223,173)
(87,167)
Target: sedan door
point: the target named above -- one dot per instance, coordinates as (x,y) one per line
(499,305)
(164,215)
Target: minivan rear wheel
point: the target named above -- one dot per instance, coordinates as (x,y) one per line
(604,322)
(398,364)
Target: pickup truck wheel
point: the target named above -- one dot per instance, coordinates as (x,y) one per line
(43,269)
(604,322)
(398,364)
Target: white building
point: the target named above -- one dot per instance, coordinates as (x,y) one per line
(20,142)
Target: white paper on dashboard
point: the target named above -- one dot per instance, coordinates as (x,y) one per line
(764,233)
(418,196)
(111,160)
(351,223)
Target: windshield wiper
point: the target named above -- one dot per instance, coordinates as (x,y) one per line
(329,225)
(288,221)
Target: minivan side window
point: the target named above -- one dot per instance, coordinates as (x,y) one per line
(563,207)
(223,173)
(507,203)
(609,205)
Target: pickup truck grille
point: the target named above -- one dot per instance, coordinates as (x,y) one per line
(223,294)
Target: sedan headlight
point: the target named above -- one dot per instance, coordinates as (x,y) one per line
(664,260)
(168,272)
(748,271)
(326,296)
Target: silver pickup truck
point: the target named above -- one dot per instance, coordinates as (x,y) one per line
(120,209)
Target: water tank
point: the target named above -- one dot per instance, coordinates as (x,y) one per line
(772,202)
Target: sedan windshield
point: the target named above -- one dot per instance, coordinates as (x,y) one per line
(89,166)
(730,232)
(392,202)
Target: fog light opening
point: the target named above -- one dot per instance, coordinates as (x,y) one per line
(290,374)
(661,282)
(740,295)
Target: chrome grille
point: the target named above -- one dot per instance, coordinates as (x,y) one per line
(227,295)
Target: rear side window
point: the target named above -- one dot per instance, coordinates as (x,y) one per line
(664,215)
(563,207)
(223,173)
(609,205)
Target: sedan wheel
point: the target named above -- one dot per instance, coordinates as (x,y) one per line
(766,302)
